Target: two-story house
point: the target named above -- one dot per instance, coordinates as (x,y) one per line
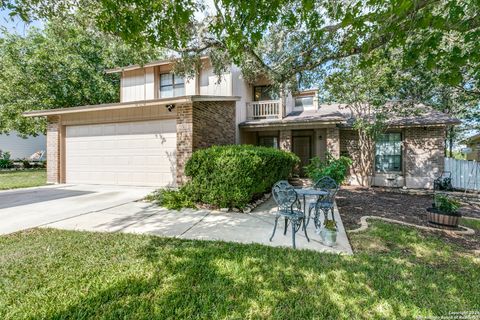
(162,118)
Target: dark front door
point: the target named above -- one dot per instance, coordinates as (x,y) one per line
(302,147)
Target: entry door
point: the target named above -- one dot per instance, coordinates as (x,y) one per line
(302,147)
(132,153)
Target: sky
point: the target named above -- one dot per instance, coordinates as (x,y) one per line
(16,25)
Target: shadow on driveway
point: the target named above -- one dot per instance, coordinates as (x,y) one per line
(20,198)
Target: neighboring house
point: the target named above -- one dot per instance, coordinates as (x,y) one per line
(19,147)
(147,137)
(474,144)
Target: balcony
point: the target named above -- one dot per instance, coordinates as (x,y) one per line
(266,109)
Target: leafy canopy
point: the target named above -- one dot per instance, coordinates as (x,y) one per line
(60,66)
(287,39)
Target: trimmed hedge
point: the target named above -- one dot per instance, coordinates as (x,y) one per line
(231,176)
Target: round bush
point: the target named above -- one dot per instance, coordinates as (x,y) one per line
(230,176)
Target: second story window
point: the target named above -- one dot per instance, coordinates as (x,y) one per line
(171,85)
(262,93)
(304,102)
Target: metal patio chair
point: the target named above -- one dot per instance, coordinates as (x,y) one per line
(443,182)
(325,203)
(289,209)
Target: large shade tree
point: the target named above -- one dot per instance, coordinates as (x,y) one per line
(285,39)
(60,66)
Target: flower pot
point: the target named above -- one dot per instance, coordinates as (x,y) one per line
(329,237)
(436,217)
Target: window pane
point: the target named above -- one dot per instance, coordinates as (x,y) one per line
(304,102)
(388,152)
(179,90)
(261,93)
(179,80)
(166,92)
(166,79)
(268,142)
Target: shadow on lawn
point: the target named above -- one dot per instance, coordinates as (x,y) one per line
(201,279)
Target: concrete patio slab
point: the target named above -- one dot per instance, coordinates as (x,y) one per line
(256,227)
(168,223)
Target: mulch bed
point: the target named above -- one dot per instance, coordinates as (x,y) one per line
(355,202)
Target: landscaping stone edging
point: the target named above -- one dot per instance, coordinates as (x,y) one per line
(364,226)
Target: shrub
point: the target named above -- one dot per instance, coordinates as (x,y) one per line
(171,199)
(5,161)
(231,176)
(337,169)
(26,164)
(446,204)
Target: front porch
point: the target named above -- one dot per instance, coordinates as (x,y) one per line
(306,142)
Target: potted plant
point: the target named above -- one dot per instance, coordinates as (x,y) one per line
(329,233)
(444,211)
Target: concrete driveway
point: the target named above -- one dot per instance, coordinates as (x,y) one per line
(34,207)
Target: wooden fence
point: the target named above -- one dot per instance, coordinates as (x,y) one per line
(465,174)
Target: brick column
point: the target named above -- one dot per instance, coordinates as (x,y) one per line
(333,141)
(53,150)
(184,140)
(286,140)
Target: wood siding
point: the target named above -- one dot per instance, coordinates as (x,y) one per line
(120,115)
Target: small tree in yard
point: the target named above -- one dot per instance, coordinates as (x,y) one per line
(365,92)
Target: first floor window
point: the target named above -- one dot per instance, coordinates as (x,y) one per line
(171,85)
(270,141)
(388,152)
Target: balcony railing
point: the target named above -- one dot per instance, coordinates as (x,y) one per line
(267,109)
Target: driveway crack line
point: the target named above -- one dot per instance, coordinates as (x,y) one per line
(193,225)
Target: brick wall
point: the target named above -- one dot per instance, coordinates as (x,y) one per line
(349,146)
(424,155)
(184,139)
(333,141)
(201,125)
(213,123)
(53,150)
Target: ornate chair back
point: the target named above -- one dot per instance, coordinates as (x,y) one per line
(284,195)
(327,184)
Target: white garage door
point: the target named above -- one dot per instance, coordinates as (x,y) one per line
(134,153)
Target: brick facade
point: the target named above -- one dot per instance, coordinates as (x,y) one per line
(333,141)
(423,157)
(213,124)
(201,125)
(53,148)
(184,139)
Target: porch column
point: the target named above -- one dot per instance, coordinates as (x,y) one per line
(286,140)
(53,149)
(333,141)
(184,140)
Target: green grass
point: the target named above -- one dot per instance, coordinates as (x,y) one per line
(22,179)
(396,273)
(471,223)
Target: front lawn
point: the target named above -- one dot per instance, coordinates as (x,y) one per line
(397,272)
(22,179)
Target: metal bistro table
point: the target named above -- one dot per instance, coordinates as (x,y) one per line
(309,192)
